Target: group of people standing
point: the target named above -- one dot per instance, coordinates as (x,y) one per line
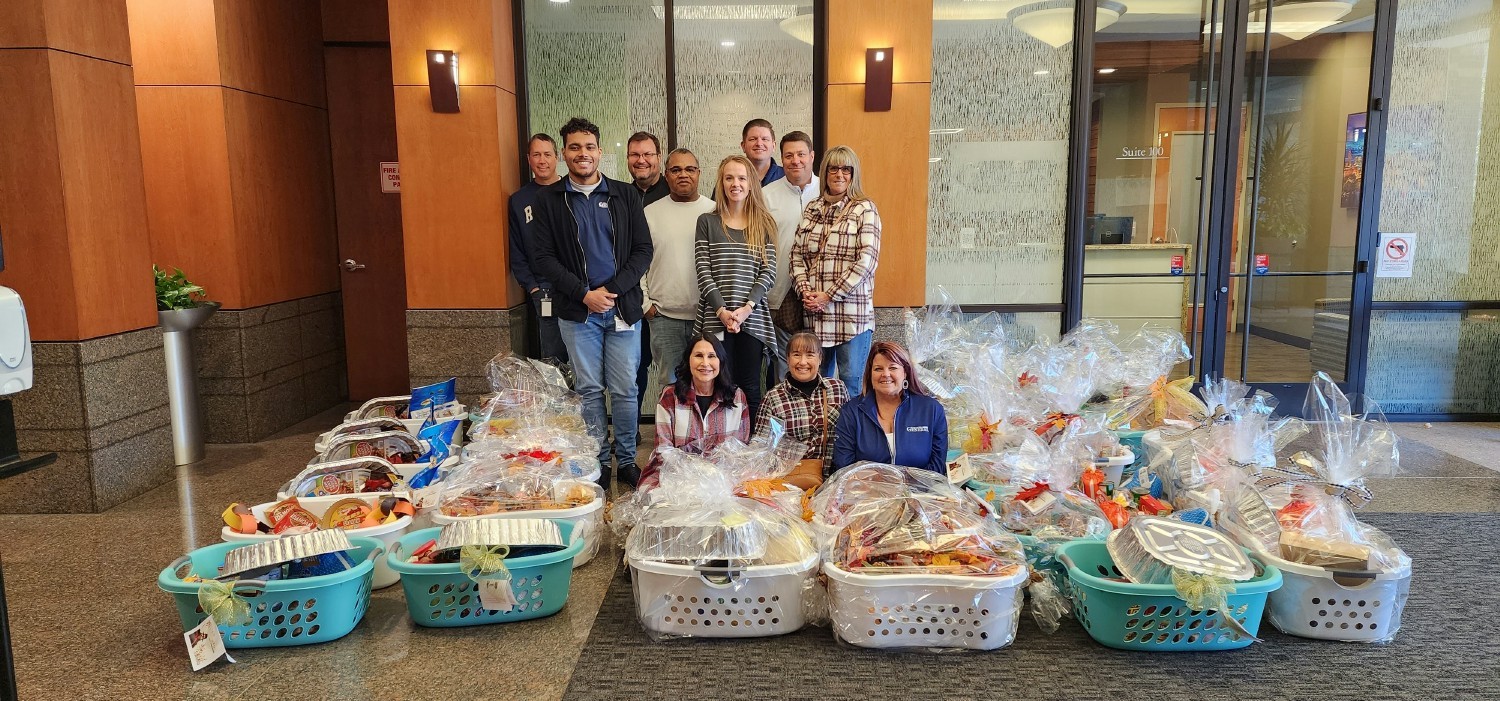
(769,281)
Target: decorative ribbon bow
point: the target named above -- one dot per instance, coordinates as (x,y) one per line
(1206,592)
(219,601)
(1356,495)
(477,561)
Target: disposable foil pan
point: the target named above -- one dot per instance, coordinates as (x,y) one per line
(270,553)
(374,424)
(375,465)
(1148,548)
(381,406)
(513,532)
(1258,520)
(692,542)
(376,441)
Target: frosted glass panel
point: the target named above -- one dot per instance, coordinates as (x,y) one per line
(1435,362)
(735,63)
(1442,154)
(600,59)
(997,186)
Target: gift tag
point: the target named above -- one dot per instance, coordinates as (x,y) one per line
(960,470)
(205,644)
(496,594)
(546,304)
(620,324)
(1040,503)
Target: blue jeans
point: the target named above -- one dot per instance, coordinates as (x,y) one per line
(848,360)
(669,338)
(605,358)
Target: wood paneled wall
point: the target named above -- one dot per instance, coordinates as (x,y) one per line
(892,146)
(72,206)
(356,20)
(234,135)
(456,169)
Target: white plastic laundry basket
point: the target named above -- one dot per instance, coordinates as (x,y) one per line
(1332,605)
(924,610)
(712,602)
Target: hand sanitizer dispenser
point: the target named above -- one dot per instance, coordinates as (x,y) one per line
(15,344)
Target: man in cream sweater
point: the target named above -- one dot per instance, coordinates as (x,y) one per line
(671,284)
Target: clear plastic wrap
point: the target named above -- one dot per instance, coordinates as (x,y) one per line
(574,454)
(860,486)
(708,563)
(1321,529)
(514,486)
(1354,446)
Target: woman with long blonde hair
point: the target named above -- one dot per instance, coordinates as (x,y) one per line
(735,257)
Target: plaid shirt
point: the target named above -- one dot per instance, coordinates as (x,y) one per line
(837,248)
(805,416)
(679,425)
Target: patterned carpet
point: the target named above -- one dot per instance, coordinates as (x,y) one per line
(1448,648)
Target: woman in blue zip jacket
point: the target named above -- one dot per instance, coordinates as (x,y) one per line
(893,421)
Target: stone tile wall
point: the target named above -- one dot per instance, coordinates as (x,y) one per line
(101,405)
(263,369)
(444,343)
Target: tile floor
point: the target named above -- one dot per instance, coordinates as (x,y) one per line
(88,621)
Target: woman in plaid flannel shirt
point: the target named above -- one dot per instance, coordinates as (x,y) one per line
(701,410)
(804,403)
(833,267)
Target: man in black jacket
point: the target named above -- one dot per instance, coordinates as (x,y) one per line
(592,244)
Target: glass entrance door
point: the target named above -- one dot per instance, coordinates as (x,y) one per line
(1248,245)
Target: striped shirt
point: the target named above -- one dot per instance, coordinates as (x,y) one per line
(682,426)
(838,246)
(729,275)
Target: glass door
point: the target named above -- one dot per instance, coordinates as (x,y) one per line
(1249,245)
(1294,249)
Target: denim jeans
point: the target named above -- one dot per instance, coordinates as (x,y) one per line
(552,343)
(669,338)
(604,358)
(847,359)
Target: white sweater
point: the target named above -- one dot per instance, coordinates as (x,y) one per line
(672,281)
(786,203)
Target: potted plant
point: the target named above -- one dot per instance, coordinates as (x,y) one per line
(180,308)
(180,304)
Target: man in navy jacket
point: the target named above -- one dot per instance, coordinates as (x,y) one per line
(593,245)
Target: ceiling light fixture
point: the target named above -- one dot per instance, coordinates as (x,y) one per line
(1041,72)
(727,43)
(800,27)
(1106,71)
(1051,21)
(1299,20)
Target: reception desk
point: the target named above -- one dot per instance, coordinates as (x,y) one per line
(1133,302)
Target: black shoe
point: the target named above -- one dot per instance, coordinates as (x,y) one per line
(630,474)
(604,474)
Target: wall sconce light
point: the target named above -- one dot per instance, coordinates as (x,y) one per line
(442,80)
(878,79)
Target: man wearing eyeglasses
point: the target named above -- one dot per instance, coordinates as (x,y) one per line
(643,158)
(671,284)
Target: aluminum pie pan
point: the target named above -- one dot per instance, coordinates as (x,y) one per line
(379,405)
(1148,548)
(512,532)
(408,442)
(271,553)
(1255,516)
(674,542)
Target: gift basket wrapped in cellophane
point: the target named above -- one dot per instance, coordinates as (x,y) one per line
(1346,580)
(523,487)
(572,453)
(707,562)
(527,393)
(914,565)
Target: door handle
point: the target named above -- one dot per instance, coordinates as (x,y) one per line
(351,266)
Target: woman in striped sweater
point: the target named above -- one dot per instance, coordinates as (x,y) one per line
(735,256)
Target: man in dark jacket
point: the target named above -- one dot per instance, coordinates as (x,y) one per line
(592,244)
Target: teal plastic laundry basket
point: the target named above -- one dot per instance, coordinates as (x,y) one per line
(442,596)
(1129,616)
(282,613)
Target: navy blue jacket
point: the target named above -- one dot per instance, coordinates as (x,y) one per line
(522,207)
(921,434)
(557,254)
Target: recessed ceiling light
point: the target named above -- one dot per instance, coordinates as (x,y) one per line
(1106,71)
(1041,72)
(727,43)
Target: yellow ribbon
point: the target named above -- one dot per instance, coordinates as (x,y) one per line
(1202,592)
(219,601)
(477,561)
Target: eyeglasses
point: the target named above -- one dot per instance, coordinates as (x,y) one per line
(679,170)
(846,170)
